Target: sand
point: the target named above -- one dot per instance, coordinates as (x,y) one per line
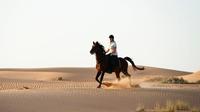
(39,90)
(194,77)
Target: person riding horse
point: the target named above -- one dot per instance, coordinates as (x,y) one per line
(102,63)
(112,53)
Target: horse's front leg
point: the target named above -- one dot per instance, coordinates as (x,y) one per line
(101,79)
(97,76)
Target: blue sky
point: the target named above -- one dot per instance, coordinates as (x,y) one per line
(59,33)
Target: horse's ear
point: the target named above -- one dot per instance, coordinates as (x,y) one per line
(93,42)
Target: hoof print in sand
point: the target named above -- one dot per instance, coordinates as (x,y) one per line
(25,87)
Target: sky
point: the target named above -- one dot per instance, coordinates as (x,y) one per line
(59,33)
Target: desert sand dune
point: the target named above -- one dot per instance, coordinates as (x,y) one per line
(75,77)
(73,73)
(26,75)
(39,90)
(194,77)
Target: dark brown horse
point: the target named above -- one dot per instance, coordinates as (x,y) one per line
(102,63)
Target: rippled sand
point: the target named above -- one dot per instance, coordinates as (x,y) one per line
(39,90)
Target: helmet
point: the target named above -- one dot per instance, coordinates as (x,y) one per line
(111,37)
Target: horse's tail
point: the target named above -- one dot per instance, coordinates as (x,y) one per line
(133,64)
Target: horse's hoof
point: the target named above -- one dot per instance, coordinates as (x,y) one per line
(98,86)
(118,79)
(108,84)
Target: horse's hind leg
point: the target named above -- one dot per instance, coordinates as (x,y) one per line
(127,74)
(125,71)
(118,75)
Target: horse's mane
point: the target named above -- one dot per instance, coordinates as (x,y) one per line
(101,47)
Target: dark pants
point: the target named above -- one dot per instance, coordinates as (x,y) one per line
(113,62)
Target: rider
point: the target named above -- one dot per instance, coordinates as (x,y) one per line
(112,52)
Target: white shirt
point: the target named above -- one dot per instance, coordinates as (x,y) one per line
(111,48)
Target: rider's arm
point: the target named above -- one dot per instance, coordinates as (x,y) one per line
(107,50)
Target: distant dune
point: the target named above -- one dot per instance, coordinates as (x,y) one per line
(27,75)
(194,77)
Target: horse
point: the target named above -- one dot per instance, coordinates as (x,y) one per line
(102,64)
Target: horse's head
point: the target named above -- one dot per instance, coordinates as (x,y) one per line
(97,47)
